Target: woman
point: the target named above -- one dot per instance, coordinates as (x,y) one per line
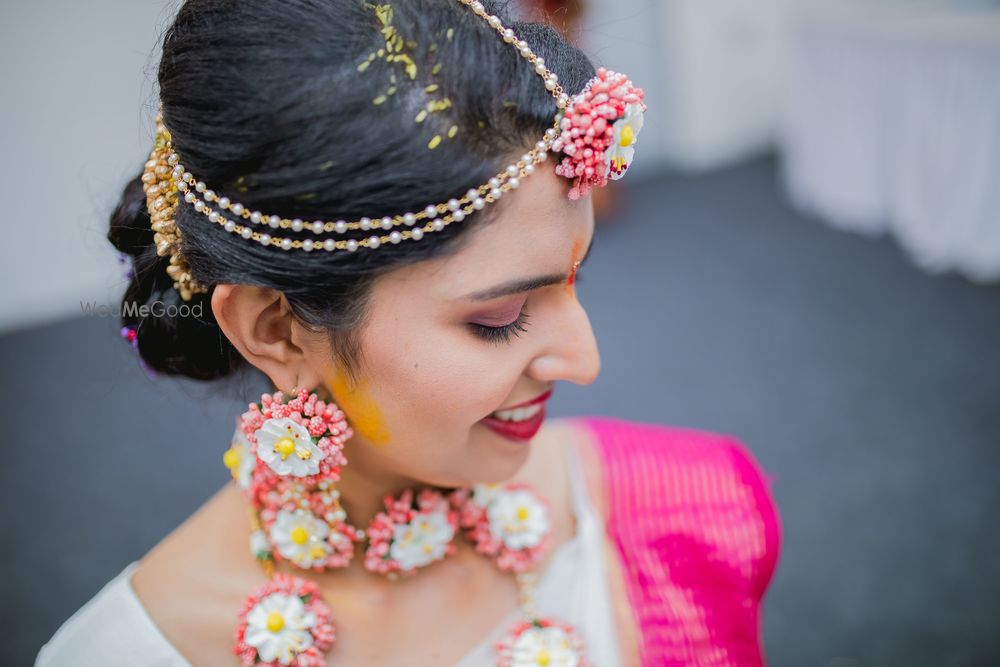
(383,208)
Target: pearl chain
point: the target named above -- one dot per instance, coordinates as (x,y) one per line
(455,210)
(201,198)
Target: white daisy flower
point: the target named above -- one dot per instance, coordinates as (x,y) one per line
(278,627)
(519,519)
(300,536)
(618,156)
(286,446)
(259,546)
(422,541)
(484,494)
(550,647)
(240,460)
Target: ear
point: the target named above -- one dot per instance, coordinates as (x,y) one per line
(260,324)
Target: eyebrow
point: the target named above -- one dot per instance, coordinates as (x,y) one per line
(525,284)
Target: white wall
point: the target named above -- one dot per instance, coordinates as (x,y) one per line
(75,124)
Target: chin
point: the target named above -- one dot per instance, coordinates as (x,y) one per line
(497,458)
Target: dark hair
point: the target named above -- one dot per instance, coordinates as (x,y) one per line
(265,103)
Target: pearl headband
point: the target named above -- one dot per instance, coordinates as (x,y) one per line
(594,130)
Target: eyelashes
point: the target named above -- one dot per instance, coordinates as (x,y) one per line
(498,335)
(503,334)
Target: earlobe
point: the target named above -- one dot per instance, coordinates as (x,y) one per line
(259,324)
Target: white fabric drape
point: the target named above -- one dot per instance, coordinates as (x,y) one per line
(892,124)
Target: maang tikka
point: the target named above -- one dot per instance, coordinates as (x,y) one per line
(287,455)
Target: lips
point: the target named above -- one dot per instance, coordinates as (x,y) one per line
(521,431)
(538,399)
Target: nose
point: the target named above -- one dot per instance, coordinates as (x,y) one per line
(570,351)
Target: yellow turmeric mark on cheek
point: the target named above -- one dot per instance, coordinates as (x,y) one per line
(363,413)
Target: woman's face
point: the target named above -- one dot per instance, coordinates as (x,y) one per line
(441,353)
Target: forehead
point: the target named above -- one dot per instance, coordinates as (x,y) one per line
(536,230)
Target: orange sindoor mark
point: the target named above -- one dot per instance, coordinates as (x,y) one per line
(363,413)
(571,279)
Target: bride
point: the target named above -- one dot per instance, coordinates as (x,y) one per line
(383,209)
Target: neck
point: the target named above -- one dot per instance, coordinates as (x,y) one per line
(363,488)
(366,480)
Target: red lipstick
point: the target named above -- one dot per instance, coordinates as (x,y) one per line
(521,431)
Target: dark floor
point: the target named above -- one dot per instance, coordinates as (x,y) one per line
(870,390)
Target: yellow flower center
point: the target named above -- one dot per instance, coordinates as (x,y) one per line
(300,535)
(543,657)
(275,621)
(285,447)
(627,136)
(231,459)
(523,513)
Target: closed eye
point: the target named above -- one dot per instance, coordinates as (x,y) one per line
(501,334)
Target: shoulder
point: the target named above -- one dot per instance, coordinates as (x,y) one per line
(684,493)
(171,605)
(192,582)
(110,630)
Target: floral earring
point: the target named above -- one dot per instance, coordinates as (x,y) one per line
(288,456)
(296,452)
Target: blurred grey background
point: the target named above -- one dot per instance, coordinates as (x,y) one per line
(811,230)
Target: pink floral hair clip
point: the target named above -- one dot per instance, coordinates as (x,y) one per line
(599,129)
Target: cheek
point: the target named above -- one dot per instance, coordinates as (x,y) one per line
(440,383)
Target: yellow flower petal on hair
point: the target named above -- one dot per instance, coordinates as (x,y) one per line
(411,67)
(384,14)
(433,143)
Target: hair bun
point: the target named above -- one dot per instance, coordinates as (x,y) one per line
(173,336)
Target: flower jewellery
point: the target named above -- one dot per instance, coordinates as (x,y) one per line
(286,456)
(594,131)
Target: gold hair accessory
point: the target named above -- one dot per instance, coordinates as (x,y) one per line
(161,202)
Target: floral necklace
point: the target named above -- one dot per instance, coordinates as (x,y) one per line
(286,456)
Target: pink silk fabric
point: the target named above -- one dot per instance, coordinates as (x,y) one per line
(698,533)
